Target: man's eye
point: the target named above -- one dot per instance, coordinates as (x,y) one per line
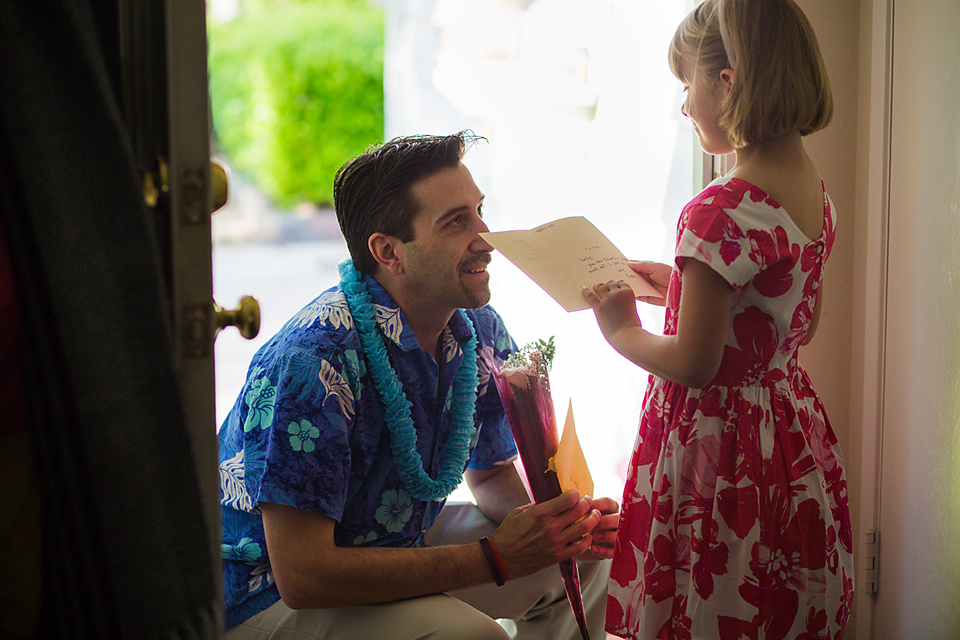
(480,210)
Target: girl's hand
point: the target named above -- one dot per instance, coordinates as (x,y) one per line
(615,307)
(658,275)
(605,533)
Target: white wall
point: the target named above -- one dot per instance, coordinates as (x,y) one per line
(905,318)
(920,462)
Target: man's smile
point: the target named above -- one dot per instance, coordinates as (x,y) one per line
(477,268)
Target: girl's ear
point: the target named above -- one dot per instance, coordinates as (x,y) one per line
(387,251)
(727,77)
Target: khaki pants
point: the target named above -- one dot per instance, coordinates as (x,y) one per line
(537,603)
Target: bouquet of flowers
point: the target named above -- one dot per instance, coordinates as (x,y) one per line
(524,386)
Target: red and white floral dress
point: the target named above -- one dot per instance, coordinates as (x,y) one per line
(735,521)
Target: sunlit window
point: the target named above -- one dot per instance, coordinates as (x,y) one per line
(582,118)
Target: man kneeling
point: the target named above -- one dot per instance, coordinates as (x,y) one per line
(366,410)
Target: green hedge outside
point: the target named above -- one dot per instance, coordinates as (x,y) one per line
(296,90)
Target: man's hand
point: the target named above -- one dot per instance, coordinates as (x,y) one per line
(536,536)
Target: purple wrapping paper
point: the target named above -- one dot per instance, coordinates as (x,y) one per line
(526,398)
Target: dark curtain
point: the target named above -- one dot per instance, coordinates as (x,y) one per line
(125,545)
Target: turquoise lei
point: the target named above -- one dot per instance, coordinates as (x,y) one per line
(397,407)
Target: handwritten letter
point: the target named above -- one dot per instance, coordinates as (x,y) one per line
(565,255)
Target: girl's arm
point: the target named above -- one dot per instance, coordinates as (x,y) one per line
(692,356)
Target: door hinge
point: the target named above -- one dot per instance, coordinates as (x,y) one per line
(871,560)
(197,332)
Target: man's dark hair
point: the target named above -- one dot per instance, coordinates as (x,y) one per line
(372,192)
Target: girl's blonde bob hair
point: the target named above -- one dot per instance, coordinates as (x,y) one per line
(779,83)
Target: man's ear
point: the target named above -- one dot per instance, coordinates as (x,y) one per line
(387,251)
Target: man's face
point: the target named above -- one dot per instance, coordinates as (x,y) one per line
(445,265)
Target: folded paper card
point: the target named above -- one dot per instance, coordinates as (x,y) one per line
(566,255)
(569,464)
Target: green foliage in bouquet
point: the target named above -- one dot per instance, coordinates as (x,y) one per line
(536,356)
(296,89)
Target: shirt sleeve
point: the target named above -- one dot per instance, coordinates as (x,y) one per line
(495,446)
(299,410)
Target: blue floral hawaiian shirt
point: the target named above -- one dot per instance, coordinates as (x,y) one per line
(308,431)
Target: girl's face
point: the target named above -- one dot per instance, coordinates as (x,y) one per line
(702,106)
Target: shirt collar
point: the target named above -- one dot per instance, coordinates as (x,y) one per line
(393,323)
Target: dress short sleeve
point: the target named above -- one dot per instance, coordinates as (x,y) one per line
(716,235)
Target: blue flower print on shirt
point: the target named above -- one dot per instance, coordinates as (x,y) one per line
(359,541)
(302,436)
(395,510)
(245,551)
(260,400)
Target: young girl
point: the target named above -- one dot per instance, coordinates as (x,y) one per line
(735,521)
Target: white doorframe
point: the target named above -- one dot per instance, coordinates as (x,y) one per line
(876,234)
(190,210)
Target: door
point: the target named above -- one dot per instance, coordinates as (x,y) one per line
(105,203)
(164,54)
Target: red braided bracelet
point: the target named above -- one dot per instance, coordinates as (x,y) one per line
(494,560)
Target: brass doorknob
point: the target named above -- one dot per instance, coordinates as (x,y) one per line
(246,317)
(219,185)
(156,183)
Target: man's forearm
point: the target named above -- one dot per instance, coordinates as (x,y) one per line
(312,572)
(369,575)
